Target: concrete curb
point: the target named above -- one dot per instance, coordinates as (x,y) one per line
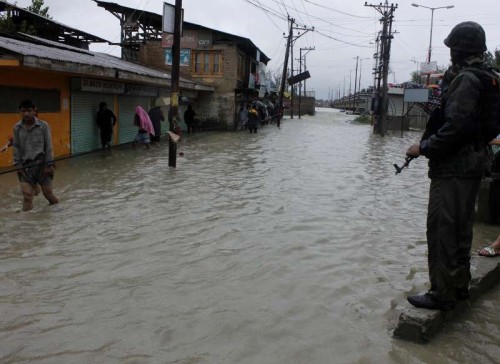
(420,325)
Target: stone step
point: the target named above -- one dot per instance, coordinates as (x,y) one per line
(420,325)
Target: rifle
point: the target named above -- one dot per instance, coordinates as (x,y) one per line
(408,159)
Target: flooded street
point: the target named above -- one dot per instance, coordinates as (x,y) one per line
(292,245)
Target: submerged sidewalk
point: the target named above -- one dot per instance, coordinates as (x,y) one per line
(420,325)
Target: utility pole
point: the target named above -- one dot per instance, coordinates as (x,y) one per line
(355,85)
(360,67)
(305,29)
(285,65)
(387,13)
(174,96)
(376,81)
(350,84)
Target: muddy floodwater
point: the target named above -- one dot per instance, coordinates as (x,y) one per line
(292,245)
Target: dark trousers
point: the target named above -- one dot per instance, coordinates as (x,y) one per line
(105,139)
(450,221)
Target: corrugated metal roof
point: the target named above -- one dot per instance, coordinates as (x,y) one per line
(63,30)
(63,54)
(54,44)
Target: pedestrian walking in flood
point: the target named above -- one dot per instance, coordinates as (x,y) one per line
(243,116)
(455,141)
(143,122)
(253,119)
(157,116)
(189,118)
(106,121)
(279,113)
(33,155)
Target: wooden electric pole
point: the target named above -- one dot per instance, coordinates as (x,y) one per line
(285,67)
(174,96)
(384,59)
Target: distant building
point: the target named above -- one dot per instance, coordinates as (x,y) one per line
(233,65)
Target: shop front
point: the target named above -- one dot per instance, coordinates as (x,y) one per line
(120,97)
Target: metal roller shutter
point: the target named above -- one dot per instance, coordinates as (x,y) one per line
(84,132)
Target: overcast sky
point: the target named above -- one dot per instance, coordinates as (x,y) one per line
(344,30)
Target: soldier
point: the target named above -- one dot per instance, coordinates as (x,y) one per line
(454,142)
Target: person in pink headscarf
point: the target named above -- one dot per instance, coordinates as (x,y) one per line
(143,122)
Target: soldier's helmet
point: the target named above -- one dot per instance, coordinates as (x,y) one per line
(467,37)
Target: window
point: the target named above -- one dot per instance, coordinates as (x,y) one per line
(45,100)
(241,66)
(208,63)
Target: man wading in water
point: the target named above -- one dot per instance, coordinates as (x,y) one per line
(32,146)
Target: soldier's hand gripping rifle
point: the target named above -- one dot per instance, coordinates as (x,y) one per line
(408,159)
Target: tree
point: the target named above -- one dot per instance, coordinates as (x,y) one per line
(275,77)
(7,24)
(493,59)
(418,78)
(37,8)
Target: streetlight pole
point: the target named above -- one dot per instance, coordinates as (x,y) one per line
(343,97)
(355,85)
(432,22)
(359,78)
(350,83)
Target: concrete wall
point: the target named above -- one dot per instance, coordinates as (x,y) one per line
(59,122)
(307,106)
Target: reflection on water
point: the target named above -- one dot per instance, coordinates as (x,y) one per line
(292,245)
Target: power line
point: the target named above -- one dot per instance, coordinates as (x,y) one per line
(267,10)
(272,21)
(338,11)
(342,41)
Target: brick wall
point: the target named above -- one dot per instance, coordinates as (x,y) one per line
(216,107)
(153,55)
(221,104)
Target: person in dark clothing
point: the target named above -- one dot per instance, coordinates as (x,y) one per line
(106,121)
(156,115)
(455,147)
(189,119)
(279,113)
(253,119)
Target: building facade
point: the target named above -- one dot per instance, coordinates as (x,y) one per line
(231,64)
(67,83)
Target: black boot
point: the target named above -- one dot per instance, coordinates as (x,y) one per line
(429,301)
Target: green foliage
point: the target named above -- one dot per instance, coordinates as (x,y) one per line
(364,119)
(415,77)
(27,28)
(7,25)
(37,8)
(497,58)
(492,59)
(489,59)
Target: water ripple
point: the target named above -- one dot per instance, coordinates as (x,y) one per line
(290,246)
